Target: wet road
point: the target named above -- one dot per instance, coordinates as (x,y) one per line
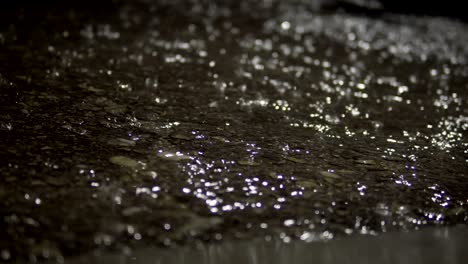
(167,123)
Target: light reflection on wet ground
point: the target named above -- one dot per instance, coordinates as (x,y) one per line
(170,123)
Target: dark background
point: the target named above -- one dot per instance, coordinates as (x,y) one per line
(449,8)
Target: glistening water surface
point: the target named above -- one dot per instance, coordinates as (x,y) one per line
(167,122)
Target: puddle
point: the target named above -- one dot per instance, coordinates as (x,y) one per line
(427,246)
(140,123)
